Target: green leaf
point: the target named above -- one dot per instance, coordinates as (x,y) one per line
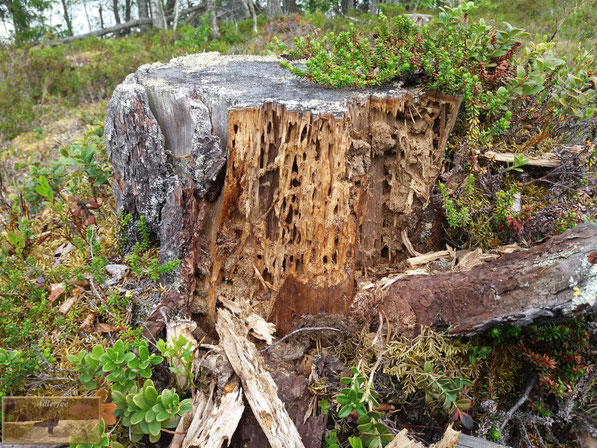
(162,416)
(137,417)
(140,401)
(344,411)
(150,416)
(143,351)
(154,427)
(151,395)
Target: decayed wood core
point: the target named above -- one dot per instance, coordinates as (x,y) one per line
(309,198)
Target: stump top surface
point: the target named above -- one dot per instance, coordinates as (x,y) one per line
(251,81)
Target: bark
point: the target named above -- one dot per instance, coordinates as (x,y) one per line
(214,419)
(127,10)
(143,13)
(101,16)
(69,24)
(346,5)
(115,10)
(211,8)
(157,14)
(284,187)
(233,10)
(251,8)
(556,279)
(372,6)
(87,16)
(290,6)
(274,8)
(176,8)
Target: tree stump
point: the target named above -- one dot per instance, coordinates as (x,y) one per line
(271,188)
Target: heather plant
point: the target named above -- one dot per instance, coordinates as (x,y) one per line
(482,63)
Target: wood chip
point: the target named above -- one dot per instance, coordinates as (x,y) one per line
(260,389)
(548,160)
(214,422)
(428,258)
(106,328)
(260,328)
(67,304)
(56,291)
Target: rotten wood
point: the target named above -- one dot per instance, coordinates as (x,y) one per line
(214,420)
(260,389)
(261,183)
(548,160)
(552,280)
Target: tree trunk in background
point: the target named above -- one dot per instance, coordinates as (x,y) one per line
(176,8)
(290,6)
(101,14)
(69,24)
(347,5)
(211,8)
(115,8)
(274,8)
(157,14)
(127,10)
(87,16)
(169,7)
(372,6)
(143,12)
(253,15)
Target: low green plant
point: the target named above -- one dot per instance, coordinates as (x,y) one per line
(331,440)
(179,353)
(457,214)
(146,412)
(120,365)
(98,432)
(447,393)
(140,260)
(360,397)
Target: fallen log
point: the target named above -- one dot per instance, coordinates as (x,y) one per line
(260,389)
(123,26)
(555,279)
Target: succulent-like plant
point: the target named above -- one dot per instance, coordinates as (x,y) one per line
(121,364)
(147,412)
(179,353)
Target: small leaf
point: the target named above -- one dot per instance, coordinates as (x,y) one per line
(467,420)
(137,417)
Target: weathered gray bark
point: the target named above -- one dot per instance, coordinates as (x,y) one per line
(143,13)
(290,6)
(553,280)
(211,8)
(319,182)
(274,8)
(157,14)
(234,10)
